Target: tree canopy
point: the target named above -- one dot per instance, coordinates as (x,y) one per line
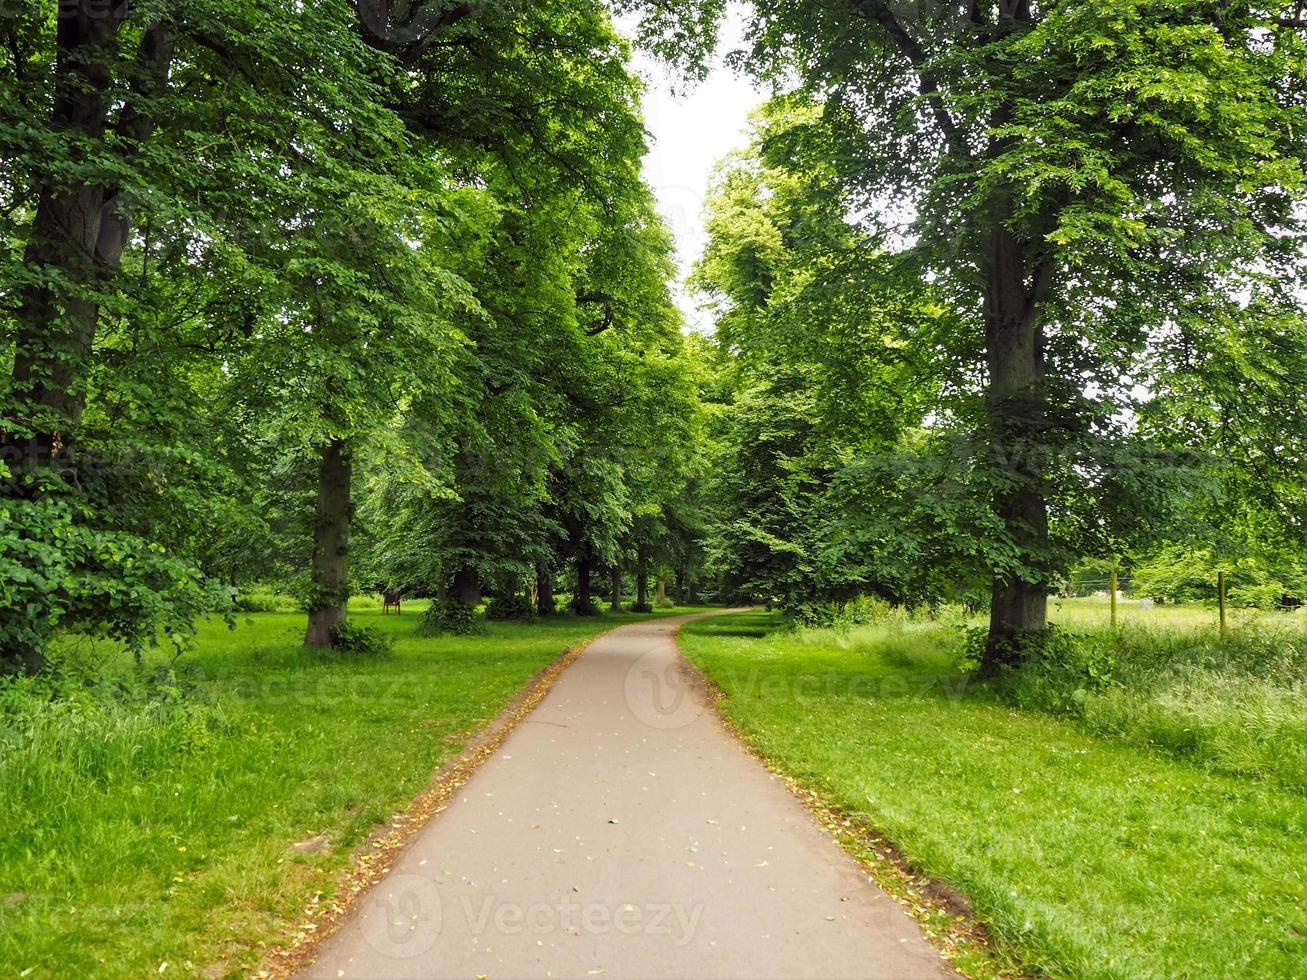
(344,297)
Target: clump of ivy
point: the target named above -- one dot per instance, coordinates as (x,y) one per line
(361,641)
(510,607)
(449,616)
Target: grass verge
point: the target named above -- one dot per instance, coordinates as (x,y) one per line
(1085,856)
(159,835)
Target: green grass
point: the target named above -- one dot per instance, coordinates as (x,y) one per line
(1088,856)
(142,833)
(1091,611)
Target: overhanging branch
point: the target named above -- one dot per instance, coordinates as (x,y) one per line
(879,12)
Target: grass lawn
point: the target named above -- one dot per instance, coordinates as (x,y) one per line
(134,839)
(1088,856)
(1092,611)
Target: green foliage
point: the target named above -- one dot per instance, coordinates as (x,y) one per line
(356,640)
(370,234)
(59,571)
(511,606)
(252,602)
(1059,672)
(1036,258)
(452,617)
(1184,573)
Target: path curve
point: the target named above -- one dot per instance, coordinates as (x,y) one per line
(621,832)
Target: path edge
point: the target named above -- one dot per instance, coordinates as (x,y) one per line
(373,857)
(925,899)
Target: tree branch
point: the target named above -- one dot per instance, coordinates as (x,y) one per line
(879,12)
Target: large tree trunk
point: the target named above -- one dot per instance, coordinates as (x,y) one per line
(582,601)
(329,567)
(466,587)
(79,231)
(1017,412)
(641,583)
(615,588)
(546,604)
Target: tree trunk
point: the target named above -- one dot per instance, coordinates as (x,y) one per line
(75,242)
(615,589)
(546,605)
(582,603)
(691,591)
(79,230)
(1016,412)
(466,587)
(661,598)
(641,583)
(330,563)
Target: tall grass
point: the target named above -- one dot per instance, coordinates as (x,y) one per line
(65,735)
(1234,703)
(1165,679)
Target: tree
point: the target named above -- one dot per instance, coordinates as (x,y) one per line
(122,161)
(1070,173)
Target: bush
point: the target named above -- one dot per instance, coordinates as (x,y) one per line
(361,641)
(515,606)
(588,608)
(266,602)
(448,616)
(1061,669)
(841,616)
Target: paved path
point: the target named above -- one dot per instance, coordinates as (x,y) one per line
(621,832)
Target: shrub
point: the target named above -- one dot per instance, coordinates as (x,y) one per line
(266,602)
(841,616)
(513,606)
(448,616)
(361,641)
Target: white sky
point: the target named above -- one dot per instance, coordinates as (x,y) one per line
(689,135)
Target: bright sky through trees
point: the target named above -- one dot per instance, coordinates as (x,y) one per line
(690,132)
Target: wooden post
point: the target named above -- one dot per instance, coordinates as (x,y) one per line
(1111,584)
(1220,597)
